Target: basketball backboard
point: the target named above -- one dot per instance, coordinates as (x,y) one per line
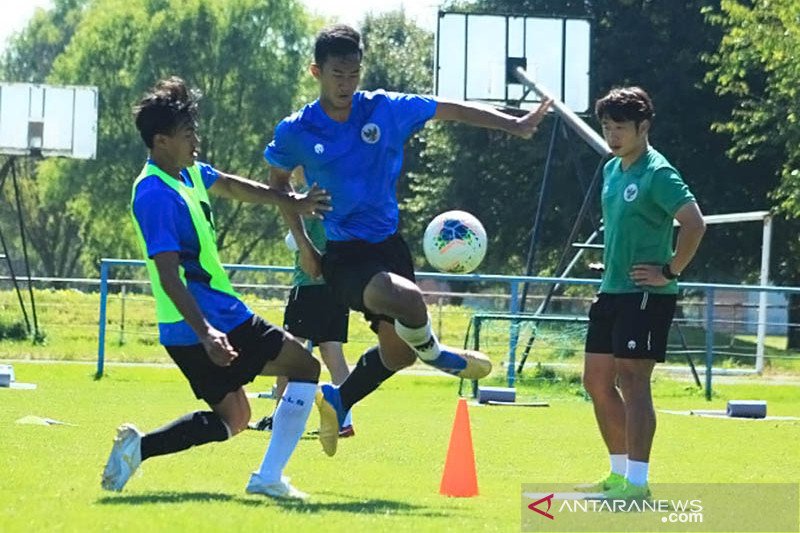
(475,54)
(48,120)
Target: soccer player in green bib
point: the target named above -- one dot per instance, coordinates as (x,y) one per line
(631,316)
(218,343)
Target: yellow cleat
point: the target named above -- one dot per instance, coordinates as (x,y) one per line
(329,404)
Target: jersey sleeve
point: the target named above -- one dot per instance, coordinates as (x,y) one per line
(156,214)
(280,152)
(209,174)
(411,111)
(670,192)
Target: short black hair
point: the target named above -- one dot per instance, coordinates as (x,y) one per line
(167,106)
(339,40)
(625,103)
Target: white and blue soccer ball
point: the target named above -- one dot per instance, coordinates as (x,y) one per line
(455,241)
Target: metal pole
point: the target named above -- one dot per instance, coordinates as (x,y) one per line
(122,316)
(766,241)
(25,250)
(538,216)
(593,138)
(513,330)
(709,339)
(101,335)
(4,171)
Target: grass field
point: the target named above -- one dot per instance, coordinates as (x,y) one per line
(386,478)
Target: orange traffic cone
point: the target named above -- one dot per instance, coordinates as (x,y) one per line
(459,478)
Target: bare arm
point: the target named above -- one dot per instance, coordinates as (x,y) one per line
(689,236)
(310,258)
(313,203)
(214,341)
(483,116)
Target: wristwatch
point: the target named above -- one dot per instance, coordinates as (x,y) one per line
(668,273)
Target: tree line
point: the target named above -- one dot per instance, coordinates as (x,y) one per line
(723,75)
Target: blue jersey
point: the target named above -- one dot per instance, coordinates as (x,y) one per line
(357,161)
(167,227)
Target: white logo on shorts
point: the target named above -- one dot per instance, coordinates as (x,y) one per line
(631,345)
(370,133)
(631,192)
(318,148)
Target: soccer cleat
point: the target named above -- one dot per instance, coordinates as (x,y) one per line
(347,431)
(279,489)
(628,492)
(265,424)
(465,364)
(611,481)
(331,417)
(125,458)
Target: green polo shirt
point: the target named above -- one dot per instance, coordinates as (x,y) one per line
(639,206)
(316,233)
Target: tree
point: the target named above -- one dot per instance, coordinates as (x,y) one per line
(246,56)
(756,64)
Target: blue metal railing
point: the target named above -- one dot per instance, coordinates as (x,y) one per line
(514,283)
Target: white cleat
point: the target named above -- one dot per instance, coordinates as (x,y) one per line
(279,489)
(125,458)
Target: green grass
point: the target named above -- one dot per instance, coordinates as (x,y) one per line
(386,478)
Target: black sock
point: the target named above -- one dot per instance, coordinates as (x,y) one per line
(367,376)
(189,430)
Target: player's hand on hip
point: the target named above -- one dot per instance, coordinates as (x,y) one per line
(218,347)
(527,125)
(315,202)
(651,275)
(311,261)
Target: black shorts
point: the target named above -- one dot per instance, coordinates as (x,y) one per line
(631,326)
(257,342)
(348,266)
(313,313)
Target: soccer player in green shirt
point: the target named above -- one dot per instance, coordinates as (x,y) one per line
(314,314)
(630,318)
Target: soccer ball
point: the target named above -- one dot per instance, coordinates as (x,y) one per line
(455,241)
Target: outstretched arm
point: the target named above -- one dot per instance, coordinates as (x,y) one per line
(314,202)
(484,116)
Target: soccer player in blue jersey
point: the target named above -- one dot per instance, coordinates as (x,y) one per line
(351,142)
(218,343)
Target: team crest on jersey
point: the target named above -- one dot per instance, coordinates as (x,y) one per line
(370,133)
(631,192)
(319,149)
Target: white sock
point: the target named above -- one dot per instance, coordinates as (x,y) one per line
(421,340)
(618,463)
(636,474)
(348,420)
(288,424)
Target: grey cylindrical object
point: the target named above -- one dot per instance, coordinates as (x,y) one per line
(747,408)
(6,375)
(497,394)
